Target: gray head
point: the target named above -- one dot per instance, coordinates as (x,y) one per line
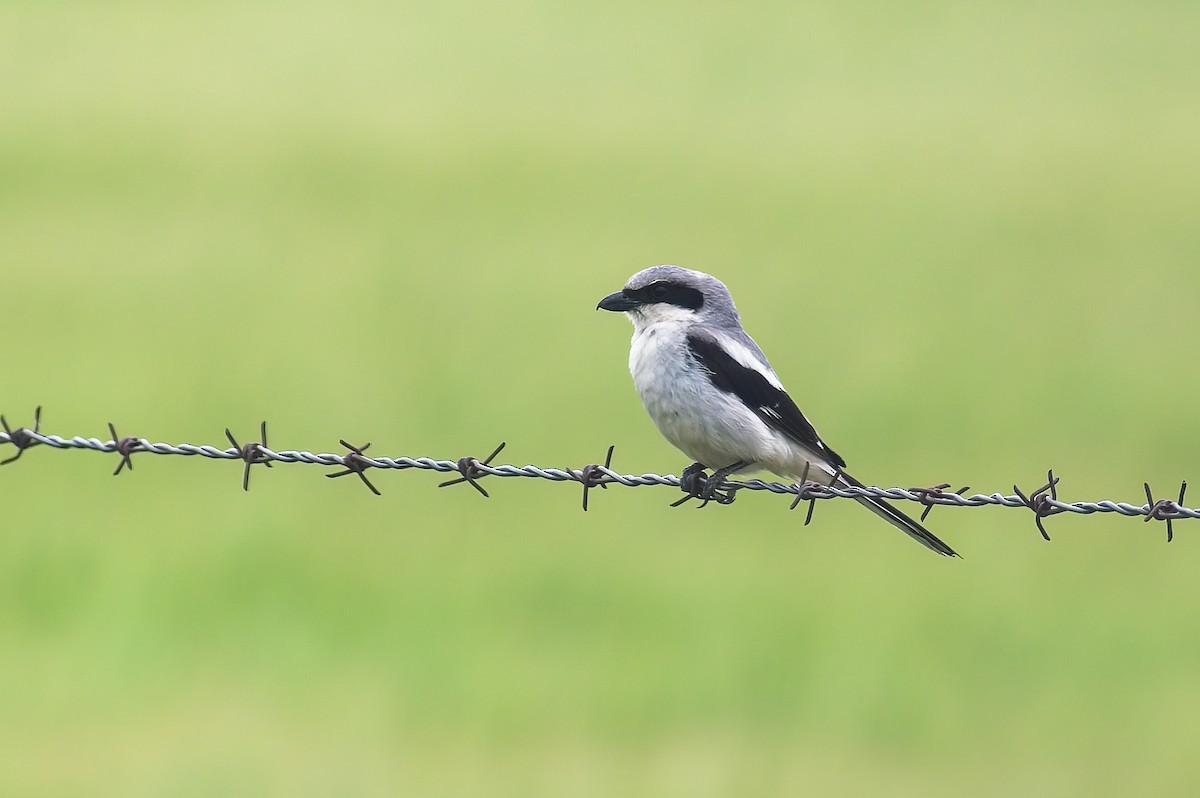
(673,293)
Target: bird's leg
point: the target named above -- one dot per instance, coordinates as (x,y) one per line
(698,485)
(712,485)
(691,482)
(693,478)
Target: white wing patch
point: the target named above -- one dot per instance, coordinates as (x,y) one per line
(746,357)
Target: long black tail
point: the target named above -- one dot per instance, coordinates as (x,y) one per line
(901,521)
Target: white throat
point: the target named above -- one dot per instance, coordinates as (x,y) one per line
(650,315)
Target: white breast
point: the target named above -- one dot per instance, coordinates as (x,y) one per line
(704,423)
(658,361)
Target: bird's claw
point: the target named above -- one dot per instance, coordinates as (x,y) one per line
(697,484)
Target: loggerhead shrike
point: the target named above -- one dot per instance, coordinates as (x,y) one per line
(712,393)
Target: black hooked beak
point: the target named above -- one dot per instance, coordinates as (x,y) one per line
(618,302)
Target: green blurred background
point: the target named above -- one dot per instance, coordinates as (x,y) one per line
(966,235)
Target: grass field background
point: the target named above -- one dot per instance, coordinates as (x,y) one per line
(966,236)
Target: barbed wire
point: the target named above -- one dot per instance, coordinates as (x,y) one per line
(1043,501)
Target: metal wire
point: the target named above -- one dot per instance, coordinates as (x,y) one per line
(1044,501)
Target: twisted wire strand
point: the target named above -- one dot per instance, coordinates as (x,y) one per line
(599,475)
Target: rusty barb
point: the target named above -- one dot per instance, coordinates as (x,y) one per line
(807,490)
(356,463)
(1041,501)
(594,476)
(929,496)
(20,437)
(471,472)
(252,453)
(124,447)
(1164,509)
(695,481)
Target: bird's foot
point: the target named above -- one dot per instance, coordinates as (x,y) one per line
(692,481)
(697,484)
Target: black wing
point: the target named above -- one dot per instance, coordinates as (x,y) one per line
(771,404)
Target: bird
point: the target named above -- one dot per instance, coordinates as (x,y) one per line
(713,394)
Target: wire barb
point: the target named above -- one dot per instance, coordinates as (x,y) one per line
(1041,503)
(803,492)
(593,476)
(1164,509)
(929,496)
(251,453)
(471,472)
(124,447)
(356,463)
(20,437)
(810,490)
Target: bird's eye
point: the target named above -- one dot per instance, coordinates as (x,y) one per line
(658,292)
